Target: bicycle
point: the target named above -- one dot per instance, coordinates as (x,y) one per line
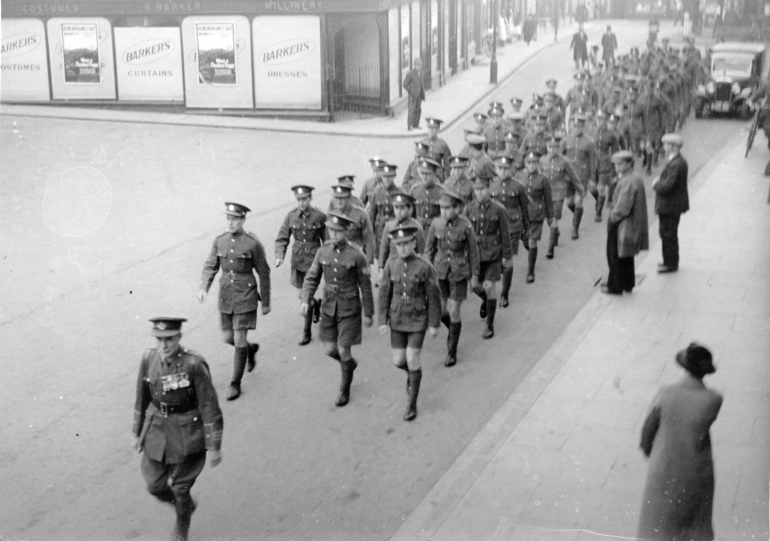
(486,43)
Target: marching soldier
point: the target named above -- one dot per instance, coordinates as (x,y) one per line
(403,207)
(381,208)
(516,104)
(581,152)
(558,100)
(176,420)
(512,146)
(560,174)
(516,122)
(511,194)
(238,253)
(306,224)
(637,122)
(360,233)
(479,163)
(495,130)
(347,180)
(346,273)
(535,140)
(410,304)
(554,116)
(579,96)
(490,224)
(466,151)
(607,144)
(371,184)
(458,182)
(452,248)
(437,147)
(540,206)
(412,177)
(481,122)
(427,193)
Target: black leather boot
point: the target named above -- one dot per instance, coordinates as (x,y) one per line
(551,244)
(599,208)
(507,280)
(251,362)
(556,236)
(316,306)
(571,206)
(185,507)
(576,223)
(306,334)
(239,366)
(454,338)
(445,319)
(415,377)
(531,268)
(483,307)
(489,330)
(347,378)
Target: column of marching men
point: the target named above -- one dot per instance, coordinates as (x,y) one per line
(451,226)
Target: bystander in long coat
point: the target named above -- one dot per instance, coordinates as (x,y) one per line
(629,210)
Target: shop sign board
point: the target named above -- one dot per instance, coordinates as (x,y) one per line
(24,61)
(287,62)
(149,62)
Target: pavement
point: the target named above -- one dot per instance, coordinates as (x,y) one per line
(463,93)
(561,459)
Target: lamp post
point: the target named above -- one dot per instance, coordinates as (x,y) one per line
(493,63)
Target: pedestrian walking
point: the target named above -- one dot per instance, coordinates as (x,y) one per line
(490,224)
(416,94)
(671,200)
(579,46)
(538,190)
(581,13)
(410,305)
(452,248)
(560,174)
(626,226)
(238,253)
(347,285)
(679,491)
(177,420)
(306,224)
(508,192)
(609,46)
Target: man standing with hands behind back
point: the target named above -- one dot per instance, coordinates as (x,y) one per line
(671,200)
(416,91)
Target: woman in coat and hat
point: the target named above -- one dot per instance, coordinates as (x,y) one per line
(679,493)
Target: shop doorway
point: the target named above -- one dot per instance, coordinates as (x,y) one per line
(452,8)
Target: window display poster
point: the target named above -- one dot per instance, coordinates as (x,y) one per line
(24,61)
(80,51)
(406,44)
(287,62)
(216,54)
(80,56)
(149,62)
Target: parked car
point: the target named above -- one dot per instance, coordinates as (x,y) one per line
(737,69)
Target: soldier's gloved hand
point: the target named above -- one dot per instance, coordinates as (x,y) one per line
(201,295)
(383,329)
(303,308)
(433,332)
(278,263)
(265,309)
(137,445)
(215,457)
(367,321)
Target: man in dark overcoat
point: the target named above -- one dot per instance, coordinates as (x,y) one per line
(671,200)
(416,92)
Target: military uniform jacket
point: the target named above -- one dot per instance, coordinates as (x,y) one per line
(453,249)
(559,173)
(426,206)
(490,224)
(411,177)
(607,144)
(368,190)
(381,208)
(308,230)
(360,234)
(345,272)
(638,126)
(440,150)
(181,383)
(388,245)
(539,194)
(495,135)
(534,142)
(354,201)
(238,254)
(511,194)
(462,187)
(555,118)
(409,296)
(581,152)
(480,166)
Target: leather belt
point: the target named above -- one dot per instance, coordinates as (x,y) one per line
(168,409)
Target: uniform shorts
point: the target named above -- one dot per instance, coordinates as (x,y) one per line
(238,322)
(490,271)
(455,290)
(297,277)
(401,339)
(343,331)
(605,178)
(557,208)
(535,230)
(515,238)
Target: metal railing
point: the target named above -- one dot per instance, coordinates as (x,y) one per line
(357,94)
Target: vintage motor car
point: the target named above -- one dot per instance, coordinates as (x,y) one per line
(736,71)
